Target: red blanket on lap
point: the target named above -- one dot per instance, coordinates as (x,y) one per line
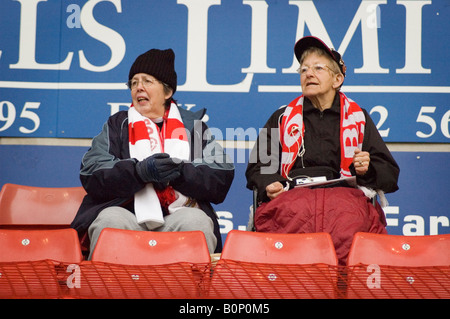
(340,211)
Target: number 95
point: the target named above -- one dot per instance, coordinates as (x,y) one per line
(26,113)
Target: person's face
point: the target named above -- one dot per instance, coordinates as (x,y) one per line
(316,77)
(148,95)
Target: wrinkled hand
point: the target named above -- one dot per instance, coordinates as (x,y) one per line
(159,168)
(361,161)
(274,189)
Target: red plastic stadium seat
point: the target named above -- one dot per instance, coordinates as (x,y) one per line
(144,264)
(395,266)
(30,261)
(270,265)
(275,248)
(60,245)
(38,207)
(130,247)
(397,250)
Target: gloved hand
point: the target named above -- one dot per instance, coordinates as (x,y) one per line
(159,169)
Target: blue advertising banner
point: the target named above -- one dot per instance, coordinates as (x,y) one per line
(64,64)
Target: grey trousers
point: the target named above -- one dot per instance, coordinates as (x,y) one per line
(185,219)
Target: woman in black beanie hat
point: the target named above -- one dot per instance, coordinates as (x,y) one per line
(154,167)
(153,67)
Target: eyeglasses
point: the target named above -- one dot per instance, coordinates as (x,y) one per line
(134,83)
(316,68)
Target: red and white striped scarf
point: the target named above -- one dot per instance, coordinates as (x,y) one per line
(292,131)
(146,139)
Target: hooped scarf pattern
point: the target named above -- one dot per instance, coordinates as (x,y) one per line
(292,131)
(146,139)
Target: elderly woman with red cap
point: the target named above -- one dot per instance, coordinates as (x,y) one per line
(321,135)
(154,167)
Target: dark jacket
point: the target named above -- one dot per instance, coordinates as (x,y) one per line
(108,174)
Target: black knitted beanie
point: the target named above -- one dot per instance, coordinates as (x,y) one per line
(158,63)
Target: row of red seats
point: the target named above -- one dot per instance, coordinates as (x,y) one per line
(130,264)
(252,265)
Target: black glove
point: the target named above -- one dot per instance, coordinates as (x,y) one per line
(159,169)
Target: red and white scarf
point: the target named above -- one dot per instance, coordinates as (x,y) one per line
(146,139)
(292,131)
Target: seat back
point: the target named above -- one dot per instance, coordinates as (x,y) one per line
(276,248)
(150,248)
(394,266)
(40,207)
(145,264)
(269,265)
(398,250)
(31,245)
